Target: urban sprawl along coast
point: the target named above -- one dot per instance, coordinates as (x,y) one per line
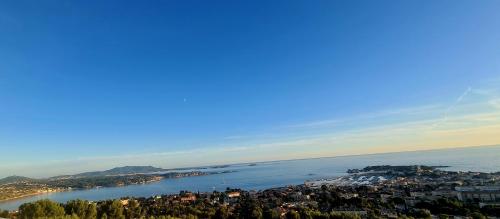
(371,192)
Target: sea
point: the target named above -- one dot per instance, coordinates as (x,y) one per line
(264,175)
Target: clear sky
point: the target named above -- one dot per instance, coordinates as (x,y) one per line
(87,85)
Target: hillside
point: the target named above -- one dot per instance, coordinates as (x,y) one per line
(18,186)
(15,179)
(126,170)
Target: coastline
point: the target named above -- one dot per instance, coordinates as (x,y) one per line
(297,172)
(59,190)
(33,194)
(415,185)
(70,189)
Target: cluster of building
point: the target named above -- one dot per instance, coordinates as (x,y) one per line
(484,195)
(390,193)
(18,190)
(385,191)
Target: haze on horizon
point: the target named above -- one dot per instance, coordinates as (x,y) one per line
(93,85)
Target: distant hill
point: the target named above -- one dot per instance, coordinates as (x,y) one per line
(15,179)
(115,171)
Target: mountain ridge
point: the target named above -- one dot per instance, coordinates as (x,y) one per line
(116,171)
(15,179)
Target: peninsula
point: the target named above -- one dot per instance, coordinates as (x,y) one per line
(14,187)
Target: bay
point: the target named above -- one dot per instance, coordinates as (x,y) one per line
(272,174)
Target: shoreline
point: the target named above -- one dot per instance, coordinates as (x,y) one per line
(456,163)
(358,193)
(71,189)
(60,190)
(339,180)
(81,189)
(33,194)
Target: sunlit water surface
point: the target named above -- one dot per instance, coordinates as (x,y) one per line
(281,173)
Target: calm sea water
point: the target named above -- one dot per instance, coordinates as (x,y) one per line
(281,173)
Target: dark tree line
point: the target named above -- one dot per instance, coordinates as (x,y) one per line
(326,203)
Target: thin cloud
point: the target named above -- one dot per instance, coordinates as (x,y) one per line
(495,103)
(235,137)
(367,116)
(451,107)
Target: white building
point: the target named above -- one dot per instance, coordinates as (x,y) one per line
(479,194)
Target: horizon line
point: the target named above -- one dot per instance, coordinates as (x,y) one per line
(280,160)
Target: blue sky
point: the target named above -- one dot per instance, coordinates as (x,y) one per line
(87,85)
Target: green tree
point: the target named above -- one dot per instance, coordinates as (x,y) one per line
(221,213)
(477,215)
(91,211)
(30,210)
(292,215)
(256,213)
(306,214)
(82,209)
(41,208)
(51,209)
(269,213)
(422,213)
(443,216)
(111,209)
(116,210)
(249,208)
(76,207)
(319,215)
(190,216)
(343,215)
(4,213)
(133,209)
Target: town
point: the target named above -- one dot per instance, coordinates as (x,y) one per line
(14,187)
(372,192)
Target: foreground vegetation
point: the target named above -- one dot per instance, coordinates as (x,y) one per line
(80,209)
(218,205)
